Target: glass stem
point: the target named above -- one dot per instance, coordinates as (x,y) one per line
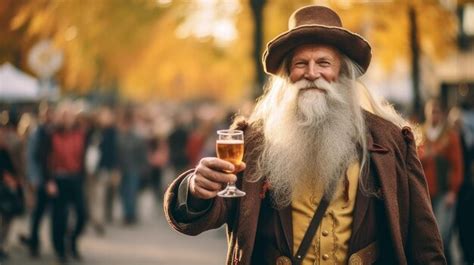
(231,186)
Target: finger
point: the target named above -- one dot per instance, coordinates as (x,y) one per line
(203,193)
(217,164)
(215,176)
(207,184)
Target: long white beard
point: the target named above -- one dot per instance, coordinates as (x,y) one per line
(309,138)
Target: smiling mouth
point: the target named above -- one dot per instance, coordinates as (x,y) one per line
(314,88)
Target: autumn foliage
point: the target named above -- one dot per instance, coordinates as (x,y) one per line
(133,46)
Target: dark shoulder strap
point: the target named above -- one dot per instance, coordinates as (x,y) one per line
(311,231)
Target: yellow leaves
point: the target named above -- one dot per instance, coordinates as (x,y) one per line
(20,19)
(74,76)
(134,44)
(191,68)
(276,14)
(438,31)
(38,23)
(389,35)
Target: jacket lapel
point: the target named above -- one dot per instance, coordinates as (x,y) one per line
(378,160)
(249,213)
(362,200)
(383,168)
(250,204)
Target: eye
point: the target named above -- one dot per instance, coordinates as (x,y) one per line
(325,63)
(299,64)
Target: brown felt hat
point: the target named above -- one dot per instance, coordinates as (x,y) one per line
(316,24)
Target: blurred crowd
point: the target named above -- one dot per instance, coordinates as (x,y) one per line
(446,154)
(69,157)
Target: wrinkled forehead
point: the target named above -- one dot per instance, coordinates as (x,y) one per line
(318,50)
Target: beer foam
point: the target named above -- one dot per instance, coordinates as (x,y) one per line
(232,141)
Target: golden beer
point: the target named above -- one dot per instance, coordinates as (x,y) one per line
(230,147)
(230,150)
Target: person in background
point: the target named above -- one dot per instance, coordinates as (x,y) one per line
(462,121)
(198,138)
(65,180)
(313,154)
(177,142)
(108,173)
(132,163)
(441,158)
(92,185)
(37,149)
(11,194)
(158,157)
(14,142)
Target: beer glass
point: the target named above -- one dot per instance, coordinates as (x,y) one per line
(230,147)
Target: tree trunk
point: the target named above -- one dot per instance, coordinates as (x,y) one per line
(257,12)
(415,63)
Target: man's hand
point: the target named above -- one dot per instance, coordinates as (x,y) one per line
(211,175)
(51,188)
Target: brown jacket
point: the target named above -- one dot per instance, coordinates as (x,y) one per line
(412,235)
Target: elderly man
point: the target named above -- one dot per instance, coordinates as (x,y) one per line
(326,181)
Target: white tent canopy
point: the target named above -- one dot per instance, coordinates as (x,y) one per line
(17,85)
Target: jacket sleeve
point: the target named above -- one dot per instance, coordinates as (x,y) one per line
(220,211)
(184,210)
(424,244)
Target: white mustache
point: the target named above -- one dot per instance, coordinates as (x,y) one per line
(331,89)
(318,83)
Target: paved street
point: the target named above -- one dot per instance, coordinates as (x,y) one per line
(150,242)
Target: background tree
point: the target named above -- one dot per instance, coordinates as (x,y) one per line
(143,49)
(257,12)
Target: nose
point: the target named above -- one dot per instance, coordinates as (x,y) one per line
(312,72)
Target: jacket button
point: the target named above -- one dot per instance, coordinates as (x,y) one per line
(325,233)
(325,257)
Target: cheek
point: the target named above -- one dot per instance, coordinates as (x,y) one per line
(331,75)
(296,75)
(335,73)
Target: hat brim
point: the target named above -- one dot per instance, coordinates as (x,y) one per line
(350,44)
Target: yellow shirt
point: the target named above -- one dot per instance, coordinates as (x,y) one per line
(330,244)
